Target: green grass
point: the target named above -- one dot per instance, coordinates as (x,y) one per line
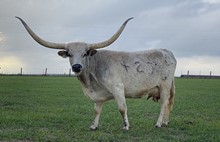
(55,109)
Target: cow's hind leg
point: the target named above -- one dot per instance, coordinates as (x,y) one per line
(172,95)
(98,109)
(164,111)
(170,104)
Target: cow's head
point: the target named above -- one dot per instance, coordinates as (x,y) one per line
(77,52)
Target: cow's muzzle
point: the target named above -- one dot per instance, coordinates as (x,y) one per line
(76,68)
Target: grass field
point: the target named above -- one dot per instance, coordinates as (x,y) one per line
(55,109)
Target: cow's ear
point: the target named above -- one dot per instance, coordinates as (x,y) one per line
(91,52)
(63,54)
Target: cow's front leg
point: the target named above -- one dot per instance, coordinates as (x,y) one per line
(123,111)
(120,99)
(98,109)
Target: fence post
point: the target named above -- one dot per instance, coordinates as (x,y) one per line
(21,71)
(45,72)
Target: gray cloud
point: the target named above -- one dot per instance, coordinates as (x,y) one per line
(188,28)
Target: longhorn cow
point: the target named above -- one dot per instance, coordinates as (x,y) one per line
(106,75)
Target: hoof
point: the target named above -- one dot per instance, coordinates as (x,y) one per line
(93,128)
(164,125)
(126,128)
(160,126)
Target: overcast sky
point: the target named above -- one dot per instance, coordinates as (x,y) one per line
(189,28)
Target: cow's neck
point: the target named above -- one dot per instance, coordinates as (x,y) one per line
(85,77)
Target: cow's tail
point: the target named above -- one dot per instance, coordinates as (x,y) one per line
(172,94)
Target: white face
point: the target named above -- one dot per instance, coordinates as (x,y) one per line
(77,53)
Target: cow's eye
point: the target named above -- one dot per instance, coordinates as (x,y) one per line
(68,54)
(84,54)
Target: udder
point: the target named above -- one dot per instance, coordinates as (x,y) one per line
(155,94)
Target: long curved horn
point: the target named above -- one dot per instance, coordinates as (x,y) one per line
(111,40)
(40,40)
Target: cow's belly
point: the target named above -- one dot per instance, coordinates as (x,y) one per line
(154,91)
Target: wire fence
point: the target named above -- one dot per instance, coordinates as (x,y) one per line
(70,73)
(44,73)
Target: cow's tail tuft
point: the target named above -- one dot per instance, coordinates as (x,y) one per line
(172,94)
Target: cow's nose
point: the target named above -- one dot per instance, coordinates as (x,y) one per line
(76,68)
